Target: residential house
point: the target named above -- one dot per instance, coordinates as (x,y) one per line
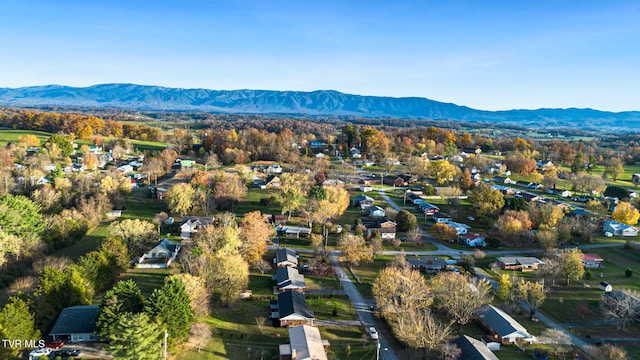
(291,310)
(365,188)
(383,225)
(376,211)
(275,218)
(369,180)
(333,183)
(186,163)
(273,169)
(503,180)
(522,263)
(414,198)
(293,231)
(305,343)
(317,144)
(459,227)
(428,209)
(559,192)
(441,218)
(125,169)
(612,227)
(320,155)
(395,181)
(191,224)
(429,265)
(528,197)
(288,278)
(76,323)
(592,261)
(504,189)
(160,256)
(286,257)
(544,165)
(474,240)
(502,326)
(472,349)
(635,178)
(271,182)
(362,201)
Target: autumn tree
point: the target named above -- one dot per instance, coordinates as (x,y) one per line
(486,200)
(460,295)
(442,171)
(572,267)
(622,306)
(219,240)
(443,232)
(547,238)
(514,224)
(227,277)
(354,249)
(398,288)
(505,287)
(614,168)
(420,329)
(227,189)
(137,234)
(255,231)
(532,293)
(606,352)
(196,289)
(544,215)
(292,194)
(625,213)
(180,198)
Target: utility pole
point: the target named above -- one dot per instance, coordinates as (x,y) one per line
(378,350)
(166,335)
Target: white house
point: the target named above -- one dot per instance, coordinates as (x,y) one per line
(459,227)
(125,169)
(376,211)
(612,227)
(474,240)
(304,343)
(441,218)
(160,256)
(191,224)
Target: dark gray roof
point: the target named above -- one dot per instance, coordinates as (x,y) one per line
(286,254)
(76,320)
(293,302)
(289,276)
(473,349)
(500,322)
(427,262)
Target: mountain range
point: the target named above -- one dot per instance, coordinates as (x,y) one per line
(295,103)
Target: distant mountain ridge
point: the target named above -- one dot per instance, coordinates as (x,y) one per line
(314,103)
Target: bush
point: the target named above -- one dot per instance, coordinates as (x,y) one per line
(628,272)
(268,201)
(588,274)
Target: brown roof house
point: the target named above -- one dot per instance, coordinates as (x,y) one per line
(501,326)
(522,263)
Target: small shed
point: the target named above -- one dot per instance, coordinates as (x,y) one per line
(605,286)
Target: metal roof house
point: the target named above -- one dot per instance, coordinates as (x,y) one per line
(472,349)
(304,343)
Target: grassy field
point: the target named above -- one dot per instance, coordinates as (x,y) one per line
(12,136)
(88,243)
(147,279)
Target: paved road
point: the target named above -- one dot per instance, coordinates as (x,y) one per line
(362,307)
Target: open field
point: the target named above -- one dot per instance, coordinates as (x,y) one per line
(147,279)
(13,136)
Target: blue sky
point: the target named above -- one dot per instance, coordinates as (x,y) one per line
(484,54)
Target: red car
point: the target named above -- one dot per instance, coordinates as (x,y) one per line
(55,345)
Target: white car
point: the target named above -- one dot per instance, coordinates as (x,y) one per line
(37,353)
(373,333)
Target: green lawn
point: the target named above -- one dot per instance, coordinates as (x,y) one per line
(147,279)
(88,243)
(7,136)
(367,272)
(252,202)
(323,308)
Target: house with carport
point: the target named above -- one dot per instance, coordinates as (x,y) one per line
(501,326)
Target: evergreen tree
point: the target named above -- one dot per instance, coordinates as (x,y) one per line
(135,337)
(125,297)
(406,221)
(171,306)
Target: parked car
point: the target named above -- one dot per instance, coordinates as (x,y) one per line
(373,333)
(67,353)
(55,345)
(37,353)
